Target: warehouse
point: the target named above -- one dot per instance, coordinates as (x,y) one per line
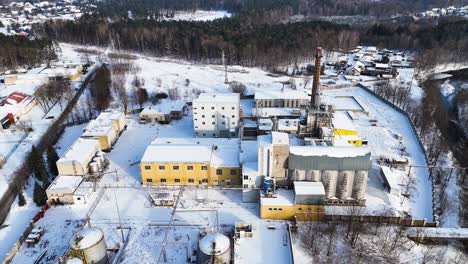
(78,158)
(62,189)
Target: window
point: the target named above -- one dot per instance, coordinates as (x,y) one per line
(223,116)
(270,209)
(233,172)
(147,167)
(204,180)
(219,172)
(212,116)
(204,167)
(212,123)
(224,123)
(203,116)
(212,108)
(189,167)
(149,180)
(202,107)
(246,177)
(222,108)
(214,135)
(196,119)
(163,180)
(233,116)
(162,167)
(281,209)
(175,167)
(203,123)
(309,209)
(204,133)
(275,209)
(300,209)
(191,181)
(233,108)
(194,108)
(177,180)
(246,186)
(78,198)
(233,123)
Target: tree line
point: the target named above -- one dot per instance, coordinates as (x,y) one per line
(19,51)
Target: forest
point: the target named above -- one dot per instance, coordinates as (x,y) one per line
(16,51)
(152,8)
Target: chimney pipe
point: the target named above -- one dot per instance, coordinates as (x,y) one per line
(315,97)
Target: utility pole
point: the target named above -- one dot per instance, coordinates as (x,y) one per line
(118,215)
(226,81)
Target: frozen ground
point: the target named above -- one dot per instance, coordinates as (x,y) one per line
(198,15)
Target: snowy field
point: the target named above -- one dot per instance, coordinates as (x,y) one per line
(198,15)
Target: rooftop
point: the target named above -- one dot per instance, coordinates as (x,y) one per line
(165,108)
(96,128)
(307,188)
(330,151)
(341,120)
(65,183)
(282,197)
(218,97)
(262,94)
(80,150)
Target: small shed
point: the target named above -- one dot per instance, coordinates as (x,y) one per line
(308,193)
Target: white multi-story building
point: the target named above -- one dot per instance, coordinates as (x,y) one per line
(216,115)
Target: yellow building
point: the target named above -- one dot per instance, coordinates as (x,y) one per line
(185,161)
(305,203)
(105,128)
(344,130)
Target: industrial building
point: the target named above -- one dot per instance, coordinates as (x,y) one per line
(82,158)
(191,161)
(13,106)
(106,128)
(216,115)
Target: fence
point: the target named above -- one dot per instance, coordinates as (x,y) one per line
(392,220)
(17,245)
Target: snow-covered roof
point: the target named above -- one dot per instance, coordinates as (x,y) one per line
(96,128)
(111,115)
(217,98)
(65,183)
(81,150)
(330,151)
(164,108)
(277,111)
(218,152)
(342,121)
(265,124)
(221,242)
(308,188)
(288,124)
(87,237)
(282,197)
(279,138)
(262,94)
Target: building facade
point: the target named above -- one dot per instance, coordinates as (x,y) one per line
(216,115)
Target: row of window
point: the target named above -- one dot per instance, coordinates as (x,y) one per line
(300,209)
(213,134)
(228,182)
(213,123)
(213,108)
(213,116)
(232,172)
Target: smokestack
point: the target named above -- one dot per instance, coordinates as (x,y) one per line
(315,97)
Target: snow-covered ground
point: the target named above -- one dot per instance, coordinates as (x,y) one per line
(198,15)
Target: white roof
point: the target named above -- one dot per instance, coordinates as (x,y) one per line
(80,150)
(217,97)
(261,93)
(65,183)
(221,242)
(219,152)
(342,121)
(281,197)
(87,237)
(97,129)
(165,108)
(288,124)
(381,65)
(308,188)
(276,111)
(112,115)
(330,151)
(279,138)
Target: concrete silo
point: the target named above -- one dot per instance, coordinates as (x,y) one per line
(329,178)
(360,184)
(215,248)
(90,245)
(345,184)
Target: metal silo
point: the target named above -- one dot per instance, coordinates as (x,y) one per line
(215,248)
(90,245)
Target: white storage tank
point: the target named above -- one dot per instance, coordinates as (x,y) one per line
(360,185)
(74,261)
(329,179)
(345,184)
(98,162)
(91,245)
(101,156)
(215,248)
(93,167)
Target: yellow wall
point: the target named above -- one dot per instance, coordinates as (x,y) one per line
(284,212)
(342,132)
(183,174)
(104,142)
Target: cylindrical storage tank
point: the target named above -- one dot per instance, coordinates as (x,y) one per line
(345,184)
(93,167)
(215,248)
(329,178)
(74,261)
(299,175)
(314,175)
(90,242)
(101,156)
(98,162)
(360,185)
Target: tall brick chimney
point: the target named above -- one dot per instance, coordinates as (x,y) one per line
(315,97)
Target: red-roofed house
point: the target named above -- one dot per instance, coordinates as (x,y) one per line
(14,106)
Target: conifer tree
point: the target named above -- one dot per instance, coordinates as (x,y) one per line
(52,159)
(21,199)
(39,195)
